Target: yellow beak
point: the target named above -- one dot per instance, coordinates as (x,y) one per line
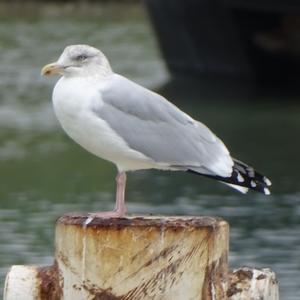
(52,69)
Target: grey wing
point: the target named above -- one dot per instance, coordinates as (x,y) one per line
(150,124)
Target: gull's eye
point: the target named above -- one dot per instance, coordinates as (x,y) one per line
(81,57)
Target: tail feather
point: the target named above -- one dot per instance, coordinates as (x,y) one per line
(243,177)
(239,188)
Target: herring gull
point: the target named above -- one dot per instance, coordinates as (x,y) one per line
(135,128)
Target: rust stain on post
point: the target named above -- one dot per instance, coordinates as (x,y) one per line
(249,283)
(216,279)
(50,283)
(141,257)
(174,222)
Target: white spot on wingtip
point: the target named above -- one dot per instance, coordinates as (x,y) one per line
(267,191)
(240,178)
(267,181)
(252,183)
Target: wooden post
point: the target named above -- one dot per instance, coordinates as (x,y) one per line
(135,258)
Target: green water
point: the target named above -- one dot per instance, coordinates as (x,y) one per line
(44,174)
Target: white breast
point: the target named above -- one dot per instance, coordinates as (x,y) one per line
(73,99)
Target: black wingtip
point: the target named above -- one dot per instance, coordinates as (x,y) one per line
(245,176)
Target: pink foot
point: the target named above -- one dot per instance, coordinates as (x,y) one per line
(120,208)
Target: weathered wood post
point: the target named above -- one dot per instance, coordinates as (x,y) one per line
(133,258)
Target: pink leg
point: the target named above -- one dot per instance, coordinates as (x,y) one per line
(120,208)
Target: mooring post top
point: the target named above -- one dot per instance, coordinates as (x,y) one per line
(143,221)
(142,257)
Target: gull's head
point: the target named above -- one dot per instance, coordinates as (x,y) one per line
(79,60)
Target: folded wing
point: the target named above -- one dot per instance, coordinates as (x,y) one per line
(150,124)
